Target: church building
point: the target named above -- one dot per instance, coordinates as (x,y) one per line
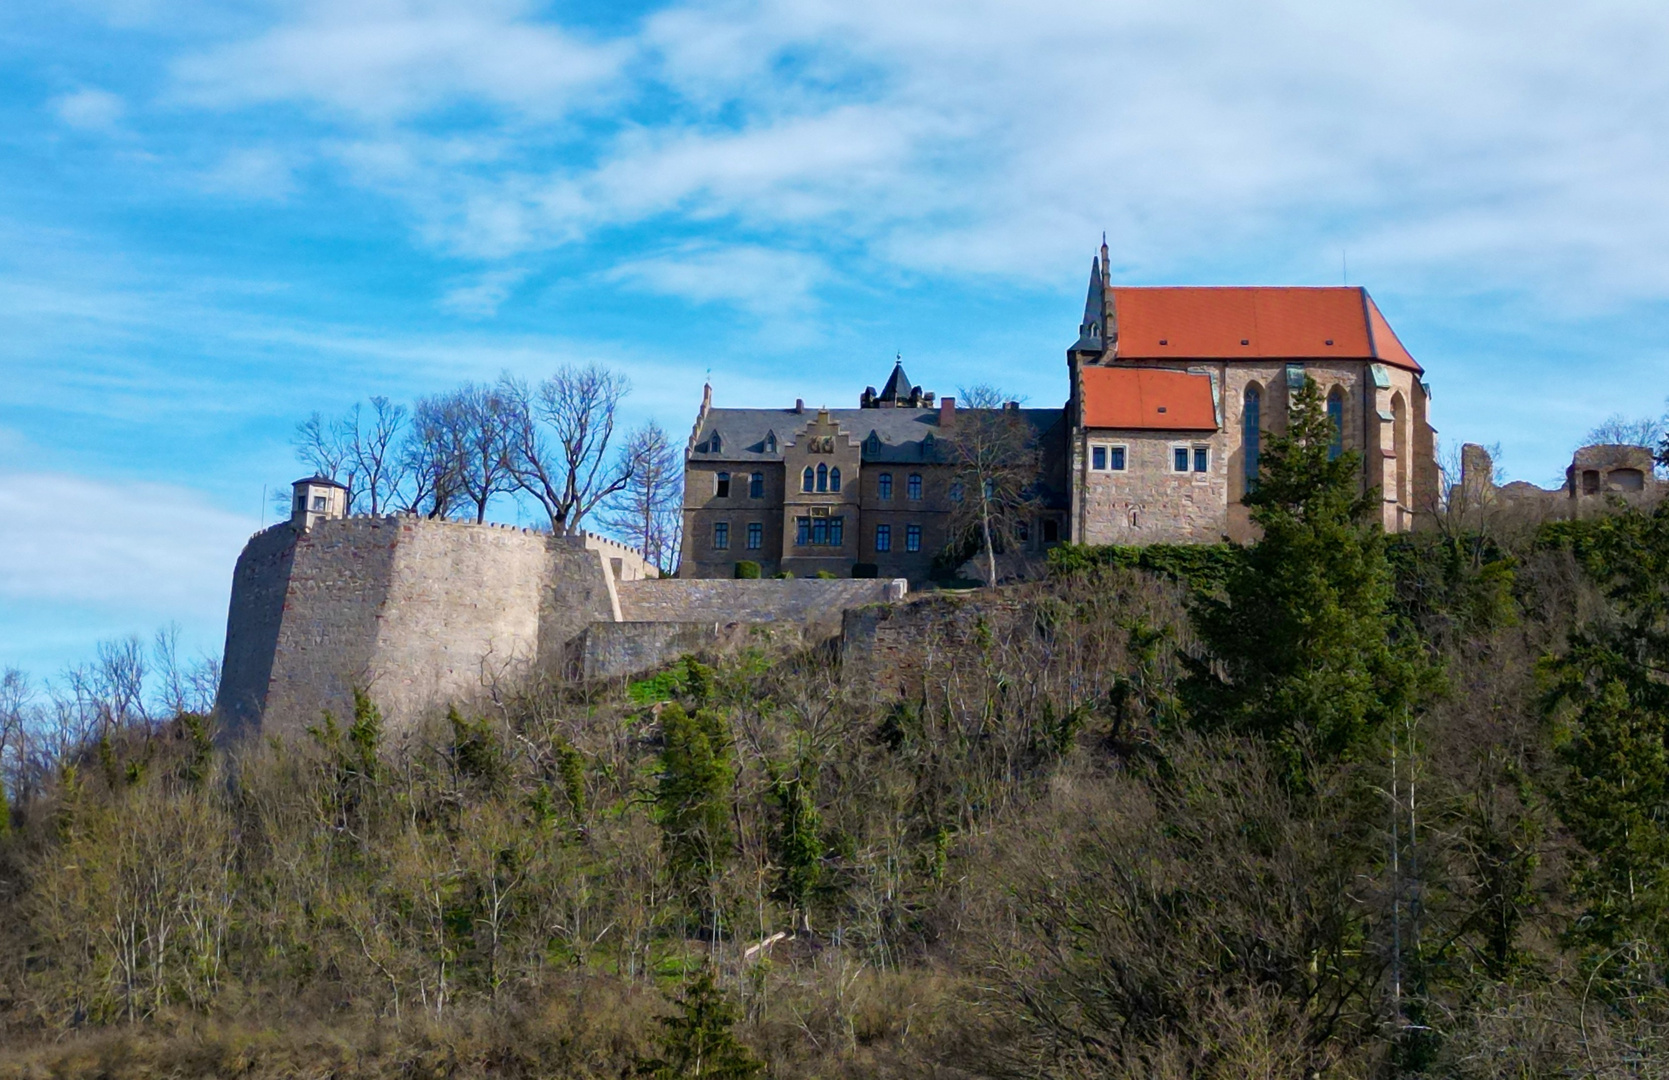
(1172,391)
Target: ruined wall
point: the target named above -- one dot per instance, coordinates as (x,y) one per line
(892,646)
(802,600)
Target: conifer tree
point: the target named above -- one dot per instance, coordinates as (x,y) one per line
(697,1041)
(1300,642)
(692,799)
(1609,693)
(797,847)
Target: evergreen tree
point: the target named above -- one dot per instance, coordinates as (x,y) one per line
(1300,643)
(797,847)
(697,1042)
(1609,693)
(692,798)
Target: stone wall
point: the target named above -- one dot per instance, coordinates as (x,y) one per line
(417,612)
(802,600)
(892,646)
(422,613)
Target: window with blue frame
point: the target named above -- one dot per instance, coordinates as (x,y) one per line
(807,478)
(883,538)
(883,485)
(912,486)
(756,486)
(721,534)
(756,535)
(912,538)
(834,478)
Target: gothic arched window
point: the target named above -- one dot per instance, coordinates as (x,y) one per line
(1335,413)
(834,478)
(806,479)
(1251,431)
(822,478)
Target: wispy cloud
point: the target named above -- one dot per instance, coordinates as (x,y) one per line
(481,298)
(90,109)
(148,547)
(384,60)
(765,282)
(260,172)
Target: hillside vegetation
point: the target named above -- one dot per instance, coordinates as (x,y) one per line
(1333,805)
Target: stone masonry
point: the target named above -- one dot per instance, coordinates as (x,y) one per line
(422,613)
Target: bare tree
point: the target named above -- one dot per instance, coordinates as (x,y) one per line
(327,448)
(1620,430)
(994,453)
(376,454)
(484,418)
(16,697)
(648,511)
(569,471)
(432,457)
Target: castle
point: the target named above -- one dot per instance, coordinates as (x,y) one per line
(420,613)
(1171,394)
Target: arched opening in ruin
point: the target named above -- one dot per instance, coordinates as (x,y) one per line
(1399,446)
(1625,480)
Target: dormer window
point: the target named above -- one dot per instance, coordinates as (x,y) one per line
(770,442)
(714,443)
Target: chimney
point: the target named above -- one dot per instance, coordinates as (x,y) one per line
(947,412)
(1011,406)
(799,405)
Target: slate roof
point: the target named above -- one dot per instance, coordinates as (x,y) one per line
(901,434)
(898,385)
(1254,323)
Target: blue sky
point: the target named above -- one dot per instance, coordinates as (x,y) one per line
(216,217)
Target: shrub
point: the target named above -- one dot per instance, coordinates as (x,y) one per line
(747,570)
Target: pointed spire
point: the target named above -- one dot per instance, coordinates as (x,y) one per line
(1106,263)
(898,383)
(1091,331)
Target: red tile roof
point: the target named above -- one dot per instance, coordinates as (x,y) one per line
(1254,323)
(1150,399)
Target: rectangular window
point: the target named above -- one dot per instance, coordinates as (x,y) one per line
(721,534)
(1051,531)
(756,486)
(756,535)
(721,485)
(1202,459)
(883,538)
(912,538)
(1106,458)
(913,486)
(883,485)
(819,531)
(1179,459)
(320,502)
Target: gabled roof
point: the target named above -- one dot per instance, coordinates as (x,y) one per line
(1147,399)
(1254,323)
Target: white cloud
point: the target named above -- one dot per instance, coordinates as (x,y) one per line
(259,172)
(777,285)
(153,548)
(482,298)
(90,109)
(387,59)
